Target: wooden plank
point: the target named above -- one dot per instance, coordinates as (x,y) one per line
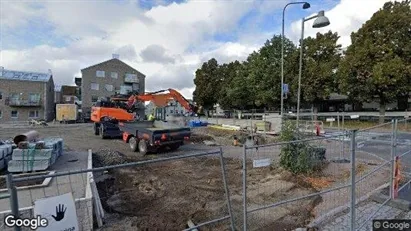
(191,224)
(96,205)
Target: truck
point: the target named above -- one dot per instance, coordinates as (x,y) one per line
(66,112)
(115,119)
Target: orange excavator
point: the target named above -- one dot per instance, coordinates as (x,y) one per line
(121,108)
(116,117)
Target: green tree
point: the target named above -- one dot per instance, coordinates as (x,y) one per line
(264,68)
(207,82)
(377,64)
(320,61)
(227,73)
(240,92)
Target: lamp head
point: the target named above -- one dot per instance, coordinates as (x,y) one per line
(306,5)
(321,20)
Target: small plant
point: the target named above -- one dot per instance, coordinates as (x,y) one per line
(298,157)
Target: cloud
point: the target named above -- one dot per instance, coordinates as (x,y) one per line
(345,17)
(156,53)
(165,41)
(15,14)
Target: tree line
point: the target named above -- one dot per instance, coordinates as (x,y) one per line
(375,67)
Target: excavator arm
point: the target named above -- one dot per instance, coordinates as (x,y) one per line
(161,100)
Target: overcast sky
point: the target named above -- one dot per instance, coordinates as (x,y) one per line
(166,40)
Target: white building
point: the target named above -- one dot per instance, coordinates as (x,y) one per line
(173,108)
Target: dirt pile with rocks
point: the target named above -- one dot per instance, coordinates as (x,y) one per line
(107,157)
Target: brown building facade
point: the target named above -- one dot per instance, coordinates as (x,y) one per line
(26,95)
(109,78)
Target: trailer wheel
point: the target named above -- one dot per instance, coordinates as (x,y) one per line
(133,143)
(102,132)
(142,147)
(96,130)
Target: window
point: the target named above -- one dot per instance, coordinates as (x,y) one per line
(109,87)
(14,96)
(100,74)
(131,78)
(94,86)
(136,87)
(94,98)
(1,114)
(33,114)
(114,75)
(1,95)
(34,97)
(14,114)
(68,98)
(182,111)
(171,111)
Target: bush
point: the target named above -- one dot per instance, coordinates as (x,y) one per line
(298,157)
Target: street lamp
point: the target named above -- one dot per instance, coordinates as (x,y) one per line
(320,21)
(306,5)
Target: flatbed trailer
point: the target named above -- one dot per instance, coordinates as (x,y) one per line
(145,136)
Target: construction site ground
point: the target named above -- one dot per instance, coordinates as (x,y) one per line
(164,196)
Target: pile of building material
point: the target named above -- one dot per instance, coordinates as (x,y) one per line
(32,154)
(5,154)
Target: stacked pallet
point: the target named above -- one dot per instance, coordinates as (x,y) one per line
(5,154)
(35,156)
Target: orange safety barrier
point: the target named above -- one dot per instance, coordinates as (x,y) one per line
(397,176)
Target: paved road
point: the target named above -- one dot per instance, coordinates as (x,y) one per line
(379,144)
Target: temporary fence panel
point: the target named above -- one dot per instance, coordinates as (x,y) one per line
(275,198)
(169,196)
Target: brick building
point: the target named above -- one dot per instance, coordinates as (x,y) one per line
(26,95)
(108,78)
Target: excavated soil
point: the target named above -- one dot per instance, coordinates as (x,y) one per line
(164,196)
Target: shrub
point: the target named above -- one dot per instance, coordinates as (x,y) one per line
(299,157)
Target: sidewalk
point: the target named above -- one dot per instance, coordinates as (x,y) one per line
(363,211)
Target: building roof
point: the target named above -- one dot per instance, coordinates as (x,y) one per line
(114,59)
(24,75)
(336,96)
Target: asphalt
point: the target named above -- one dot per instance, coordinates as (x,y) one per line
(379,144)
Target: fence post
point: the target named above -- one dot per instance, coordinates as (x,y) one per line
(352,206)
(227,191)
(244,188)
(13,199)
(393,154)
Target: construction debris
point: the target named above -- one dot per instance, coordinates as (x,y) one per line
(35,156)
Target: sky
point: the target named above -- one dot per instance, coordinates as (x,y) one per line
(165,40)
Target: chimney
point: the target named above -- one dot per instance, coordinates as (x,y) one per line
(116,56)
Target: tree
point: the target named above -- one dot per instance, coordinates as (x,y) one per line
(320,60)
(240,92)
(228,73)
(207,82)
(377,64)
(264,68)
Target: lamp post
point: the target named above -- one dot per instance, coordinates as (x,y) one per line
(306,5)
(320,21)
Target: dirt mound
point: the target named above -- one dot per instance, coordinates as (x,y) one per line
(161,199)
(226,137)
(106,157)
(164,196)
